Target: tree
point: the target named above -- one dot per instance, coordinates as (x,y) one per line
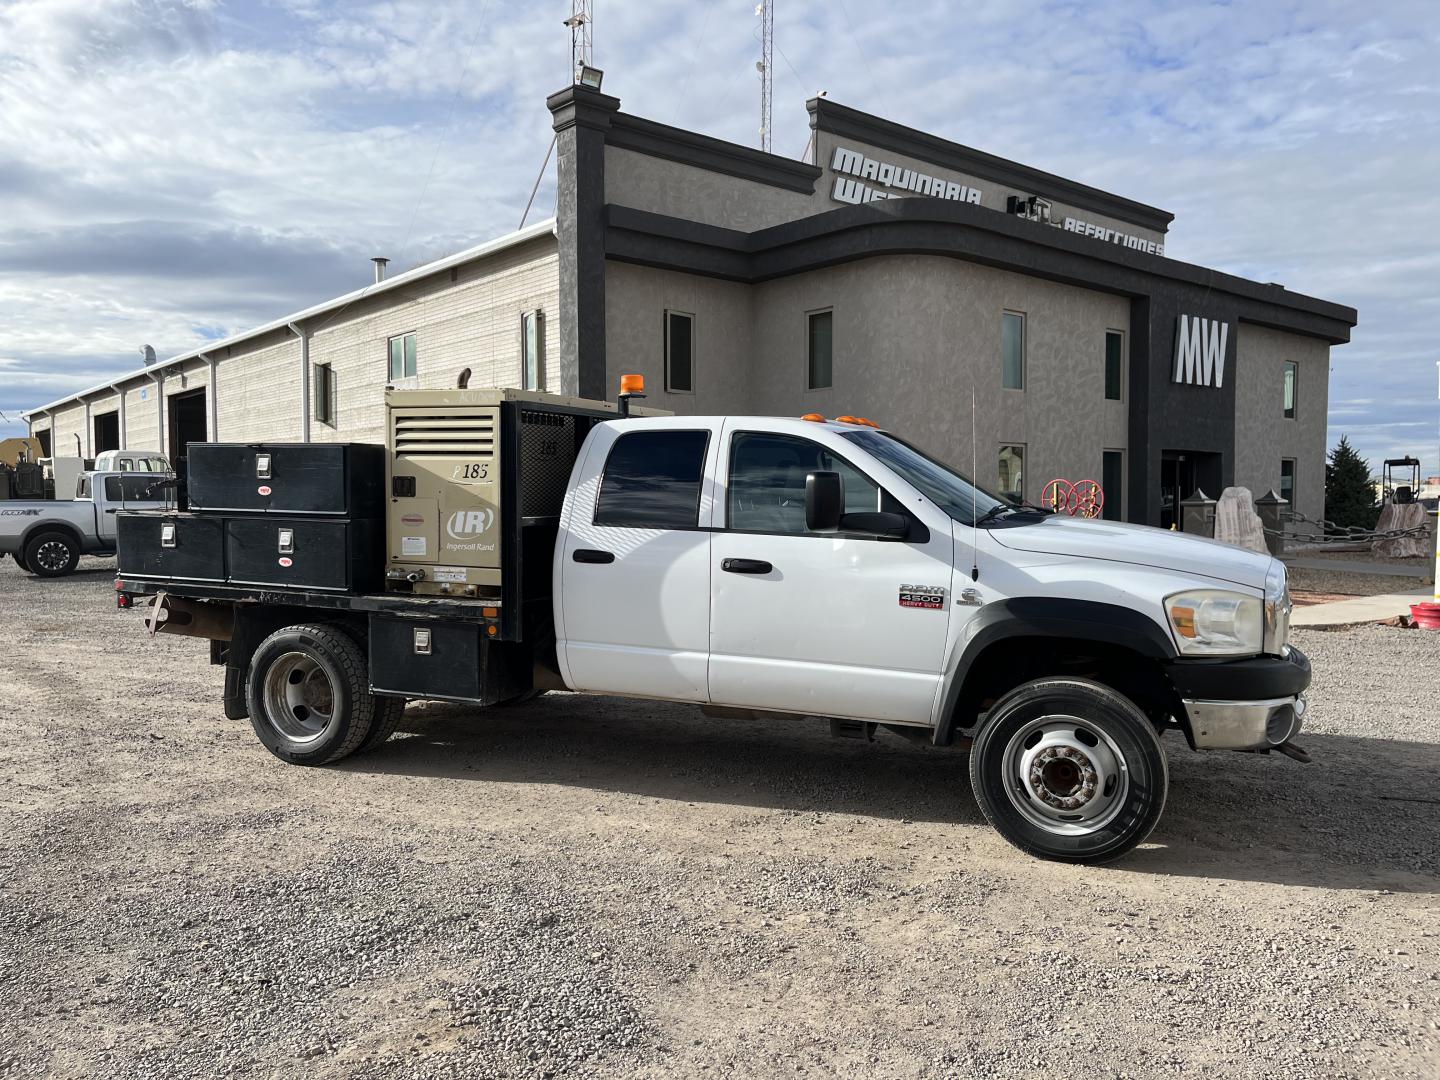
(1349,492)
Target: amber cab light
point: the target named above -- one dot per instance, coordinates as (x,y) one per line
(846,420)
(632,384)
(813,417)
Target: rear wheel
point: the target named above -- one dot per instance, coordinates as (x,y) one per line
(1068,769)
(309,695)
(52,554)
(388,711)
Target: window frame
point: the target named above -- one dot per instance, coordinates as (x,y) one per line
(1120,512)
(1290,380)
(323,393)
(1024,449)
(538,315)
(699,488)
(1120,375)
(1024,349)
(1294,478)
(669,384)
(810,316)
(883,495)
(389,347)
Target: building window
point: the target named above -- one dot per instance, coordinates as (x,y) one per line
(819,370)
(1114,365)
(532,350)
(1012,350)
(1292,372)
(767,482)
(1287,480)
(1012,471)
(402,357)
(1112,482)
(652,480)
(325,394)
(679,352)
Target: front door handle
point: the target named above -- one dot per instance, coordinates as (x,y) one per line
(746,566)
(590,555)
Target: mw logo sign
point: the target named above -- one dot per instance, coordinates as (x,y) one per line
(1200,351)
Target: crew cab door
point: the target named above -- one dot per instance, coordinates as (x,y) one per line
(824,624)
(632,571)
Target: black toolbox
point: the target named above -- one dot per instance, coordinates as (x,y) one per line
(338,554)
(288,478)
(170,546)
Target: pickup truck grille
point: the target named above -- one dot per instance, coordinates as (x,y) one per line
(418,436)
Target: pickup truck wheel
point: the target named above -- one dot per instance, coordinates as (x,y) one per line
(309,695)
(52,554)
(1070,770)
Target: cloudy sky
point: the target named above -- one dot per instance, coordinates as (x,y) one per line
(173,171)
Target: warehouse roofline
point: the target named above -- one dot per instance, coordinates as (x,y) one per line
(490,247)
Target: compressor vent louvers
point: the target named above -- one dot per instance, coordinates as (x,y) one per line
(473,436)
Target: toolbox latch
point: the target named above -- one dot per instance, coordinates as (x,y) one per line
(262,466)
(287,541)
(422,641)
(167,534)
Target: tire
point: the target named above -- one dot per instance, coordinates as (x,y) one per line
(309,694)
(1069,770)
(388,711)
(52,554)
(19,557)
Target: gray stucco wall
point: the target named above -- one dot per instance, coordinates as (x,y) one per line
(668,187)
(912,335)
(1262,433)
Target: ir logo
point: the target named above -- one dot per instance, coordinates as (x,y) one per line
(467,524)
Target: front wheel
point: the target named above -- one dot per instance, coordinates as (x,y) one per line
(308,693)
(52,554)
(1070,770)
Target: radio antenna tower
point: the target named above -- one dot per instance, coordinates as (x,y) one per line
(580,23)
(766,66)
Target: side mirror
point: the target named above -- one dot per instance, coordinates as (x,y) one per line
(877,523)
(824,499)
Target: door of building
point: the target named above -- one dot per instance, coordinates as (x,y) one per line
(187,424)
(1182,473)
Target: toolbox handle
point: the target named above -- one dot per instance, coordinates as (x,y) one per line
(262,466)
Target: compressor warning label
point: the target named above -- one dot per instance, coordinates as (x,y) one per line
(412,545)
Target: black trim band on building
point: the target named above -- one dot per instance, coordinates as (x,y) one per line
(958,230)
(837,119)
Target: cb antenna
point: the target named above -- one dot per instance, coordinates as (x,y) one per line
(974,472)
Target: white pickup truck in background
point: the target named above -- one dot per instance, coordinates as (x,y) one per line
(48,536)
(767,566)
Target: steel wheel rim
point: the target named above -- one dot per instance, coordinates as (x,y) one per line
(51,555)
(1065,775)
(299,697)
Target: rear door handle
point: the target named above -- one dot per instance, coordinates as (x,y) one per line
(746,566)
(590,555)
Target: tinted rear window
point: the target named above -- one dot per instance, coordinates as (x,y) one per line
(652,480)
(131,488)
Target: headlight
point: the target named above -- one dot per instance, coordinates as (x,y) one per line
(1212,622)
(1277,608)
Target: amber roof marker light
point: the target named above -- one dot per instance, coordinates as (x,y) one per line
(813,417)
(631,386)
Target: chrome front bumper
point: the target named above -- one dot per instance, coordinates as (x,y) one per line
(1244,725)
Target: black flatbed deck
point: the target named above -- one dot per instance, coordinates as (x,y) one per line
(433,607)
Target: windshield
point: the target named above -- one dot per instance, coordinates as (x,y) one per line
(941,484)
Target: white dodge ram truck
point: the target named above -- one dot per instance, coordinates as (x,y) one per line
(801,567)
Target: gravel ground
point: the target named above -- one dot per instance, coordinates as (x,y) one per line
(592,887)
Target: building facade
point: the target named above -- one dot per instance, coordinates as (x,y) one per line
(900,277)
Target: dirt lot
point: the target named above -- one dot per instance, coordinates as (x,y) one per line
(586,887)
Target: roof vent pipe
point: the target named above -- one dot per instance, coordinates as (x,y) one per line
(379,262)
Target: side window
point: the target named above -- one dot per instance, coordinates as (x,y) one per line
(767,482)
(1114,365)
(652,480)
(1012,471)
(532,350)
(402,357)
(679,352)
(819,369)
(1012,350)
(325,394)
(82,488)
(1292,375)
